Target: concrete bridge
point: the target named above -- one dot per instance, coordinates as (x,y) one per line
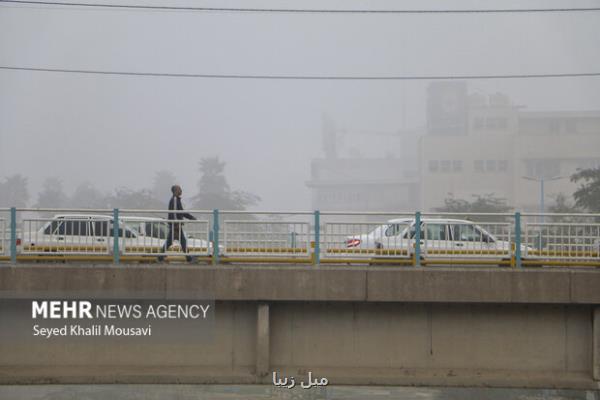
(358,325)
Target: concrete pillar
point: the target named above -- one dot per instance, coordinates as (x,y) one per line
(596,345)
(262,340)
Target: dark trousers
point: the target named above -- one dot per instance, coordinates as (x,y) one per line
(175,233)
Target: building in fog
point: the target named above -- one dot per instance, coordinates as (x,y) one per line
(362,184)
(499,146)
(472,145)
(365,171)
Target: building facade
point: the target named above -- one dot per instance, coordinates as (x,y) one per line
(472,145)
(365,170)
(506,151)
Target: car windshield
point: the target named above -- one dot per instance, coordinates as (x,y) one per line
(133,226)
(410,232)
(394,229)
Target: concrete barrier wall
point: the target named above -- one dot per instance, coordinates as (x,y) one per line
(525,338)
(353,326)
(231,344)
(418,340)
(307,283)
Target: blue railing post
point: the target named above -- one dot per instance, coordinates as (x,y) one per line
(518,239)
(317,258)
(418,239)
(215,254)
(116,257)
(13,235)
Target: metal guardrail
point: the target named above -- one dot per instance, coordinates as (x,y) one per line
(74,236)
(6,230)
(303,237)
(357,236)
(151,237)
(259,235)
(562,241)
(467,237)
(148,234)
(5,237)
(260,238)
(92,233)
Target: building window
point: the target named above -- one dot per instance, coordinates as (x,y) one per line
(496,123)
(478,165)
(433,165)
(553,126)
(542,168)
(478,123)
(445,165)
(502,165)
(490,166)
(456,166)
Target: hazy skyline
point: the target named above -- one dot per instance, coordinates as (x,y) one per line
(118,130)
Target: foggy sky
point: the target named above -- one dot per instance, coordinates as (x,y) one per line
(119,130)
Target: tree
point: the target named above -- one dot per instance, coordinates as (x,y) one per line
(587,196)
(214,191)
(134,199)
(87,196)
(563,205)
(52,194)
(161,185)
(13,191)
(486,203)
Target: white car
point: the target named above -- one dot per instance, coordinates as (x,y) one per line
(439,238)
(93,234)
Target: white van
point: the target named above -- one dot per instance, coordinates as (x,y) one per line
(93,234)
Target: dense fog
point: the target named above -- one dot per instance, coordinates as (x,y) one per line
(139,134)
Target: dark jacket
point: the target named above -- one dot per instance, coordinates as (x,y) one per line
(175,204)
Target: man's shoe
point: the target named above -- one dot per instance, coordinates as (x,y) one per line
(160,258)
(189,259)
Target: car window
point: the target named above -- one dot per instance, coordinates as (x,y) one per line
(128,232)
(393,230)
(156,230)
(76,228)
(101,228)
(435,231)
(467,233)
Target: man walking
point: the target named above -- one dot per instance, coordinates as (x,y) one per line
(175,228)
